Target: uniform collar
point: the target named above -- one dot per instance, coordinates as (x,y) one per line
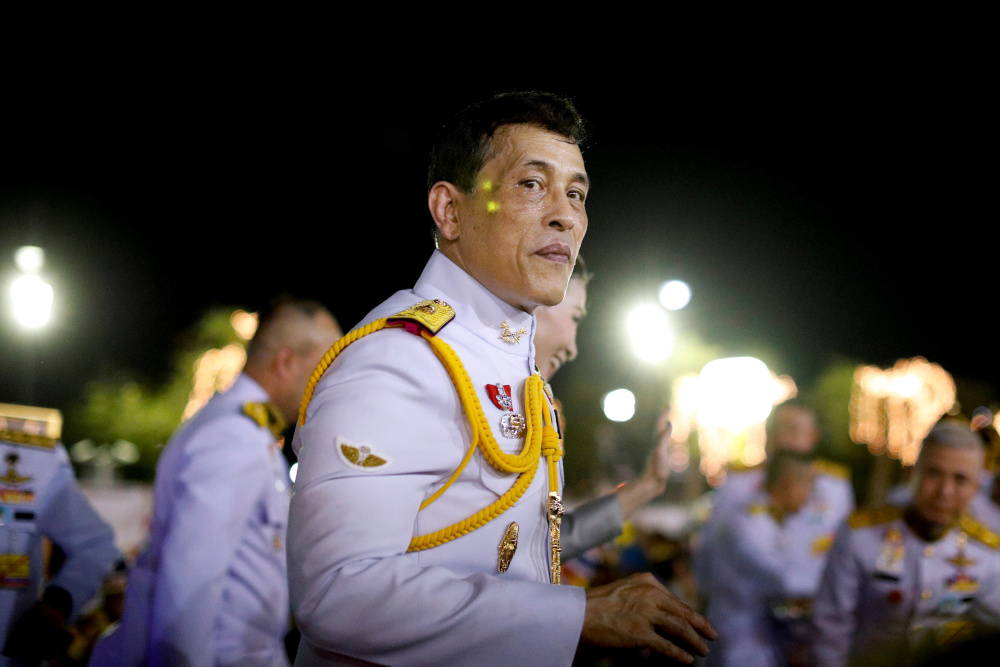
(476,308)
(247,389)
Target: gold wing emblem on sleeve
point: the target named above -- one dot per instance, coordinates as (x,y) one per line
(360,456)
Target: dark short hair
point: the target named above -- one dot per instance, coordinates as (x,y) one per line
(465,143)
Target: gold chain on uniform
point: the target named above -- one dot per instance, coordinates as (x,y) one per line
(541,439)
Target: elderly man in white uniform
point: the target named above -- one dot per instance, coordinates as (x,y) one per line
(903,583)
(424,521)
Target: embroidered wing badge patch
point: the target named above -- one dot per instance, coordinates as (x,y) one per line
(360,456)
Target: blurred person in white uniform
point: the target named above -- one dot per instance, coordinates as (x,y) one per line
(904,583)
(211,587)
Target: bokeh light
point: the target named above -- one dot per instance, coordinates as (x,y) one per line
(29,258)
(649,330)
(32,301)
(675,294)
(619,405)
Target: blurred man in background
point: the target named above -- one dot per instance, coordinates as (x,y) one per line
(903,583)
(211,587)
(39,499)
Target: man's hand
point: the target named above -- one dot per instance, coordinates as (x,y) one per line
(639,611)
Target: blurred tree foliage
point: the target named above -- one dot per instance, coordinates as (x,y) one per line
(147,413)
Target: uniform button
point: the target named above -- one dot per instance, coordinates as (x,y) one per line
(925,594)
(279,485)
(929,552)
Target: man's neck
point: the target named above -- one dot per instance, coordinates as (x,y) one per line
(926,530)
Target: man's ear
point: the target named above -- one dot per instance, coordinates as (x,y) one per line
(443,201)
(283,361)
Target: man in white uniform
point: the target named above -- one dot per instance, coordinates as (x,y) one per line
(442,397)
(211,587)
(903,583)
(792,427)
(39,498)
(757,600)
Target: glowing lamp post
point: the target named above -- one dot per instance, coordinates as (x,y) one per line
(31,302)
(31,297)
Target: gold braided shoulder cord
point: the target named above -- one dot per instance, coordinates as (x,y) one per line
(540,438)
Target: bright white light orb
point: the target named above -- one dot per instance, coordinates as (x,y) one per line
(735,392)
(675,294)
(29,258)
(32,300)
(292,470)
(649,330)
(619,405)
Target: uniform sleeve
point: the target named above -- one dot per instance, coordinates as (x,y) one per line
(222,472)
(354,589)
(834,613)
(70,521)
(590,525)
(726,502)
(753,543)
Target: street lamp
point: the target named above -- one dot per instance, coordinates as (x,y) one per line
(31,297)
(31,303)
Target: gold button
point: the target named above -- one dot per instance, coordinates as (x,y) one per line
(925,594)
(929,552)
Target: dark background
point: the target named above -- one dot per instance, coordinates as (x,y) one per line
(819,205)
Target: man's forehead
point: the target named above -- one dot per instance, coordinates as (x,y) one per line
(522,144)
(958,458)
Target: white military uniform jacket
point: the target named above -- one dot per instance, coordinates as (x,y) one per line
(811,530)
(39,497)
(754,569)
(211,586)
(357,593)
(888,597)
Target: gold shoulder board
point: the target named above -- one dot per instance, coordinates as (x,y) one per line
(431,315)
(266,415)
(831,468)
(976,530)
(868,516)
(28,425)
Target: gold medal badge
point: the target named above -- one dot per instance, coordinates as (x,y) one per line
(508,545)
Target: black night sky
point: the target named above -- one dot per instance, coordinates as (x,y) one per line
(840,214)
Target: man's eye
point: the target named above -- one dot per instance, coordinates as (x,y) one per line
(577,194)
(529,183)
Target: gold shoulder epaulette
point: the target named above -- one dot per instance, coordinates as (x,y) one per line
(737,467)
(28,425)
(266,415)
(832,468)
(873,516)
(978,531)
(431,315)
